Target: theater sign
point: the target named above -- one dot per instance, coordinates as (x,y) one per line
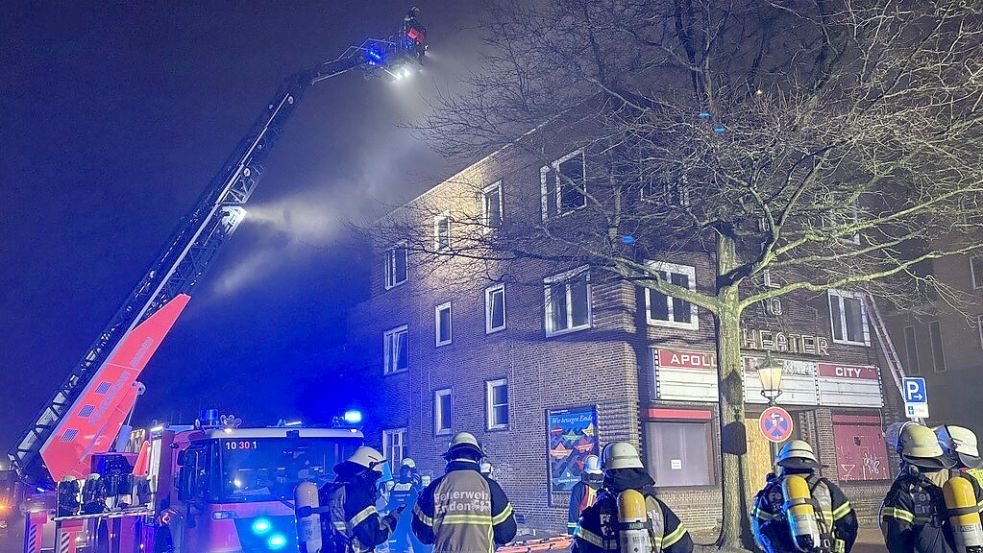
(691,375)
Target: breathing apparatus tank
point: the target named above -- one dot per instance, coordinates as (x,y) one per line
(960,501)
(306,503)
(800,513)
(633,534)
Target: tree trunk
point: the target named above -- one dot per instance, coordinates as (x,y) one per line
(735,526)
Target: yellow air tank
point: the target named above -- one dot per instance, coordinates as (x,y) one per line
(800,513)
(960,502)
(633,534)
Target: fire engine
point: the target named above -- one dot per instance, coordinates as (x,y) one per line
(206,488)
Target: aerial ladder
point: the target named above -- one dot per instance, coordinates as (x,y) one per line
(86,413)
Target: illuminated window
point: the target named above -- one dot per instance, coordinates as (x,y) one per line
(663,310)
(848,317)
(494,308)
(395,350)
(442,232)
(442,324)
(564,185)
(938,355)
(567,301)
(442,412)
(497,404)
(491,206)
(394,446)
(395,266)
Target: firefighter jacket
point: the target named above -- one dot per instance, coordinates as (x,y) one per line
(913,515)
(351,523)
(597,531)
(463,512)
(836,517)
(405,491)
(583,495)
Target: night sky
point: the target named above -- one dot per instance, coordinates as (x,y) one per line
(113,119)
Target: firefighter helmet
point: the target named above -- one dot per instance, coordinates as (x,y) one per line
(919,446)
(464,443)
(959,445)
(620,455)
(408,463)
(592,465)
(797,454)
(367,457)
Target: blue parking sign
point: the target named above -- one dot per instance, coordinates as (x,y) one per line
(914,390)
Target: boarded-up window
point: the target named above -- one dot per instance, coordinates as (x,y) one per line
(861,453)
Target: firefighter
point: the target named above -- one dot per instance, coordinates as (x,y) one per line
(464,511)
(404,495)
(584,492)
(959,445)
(913,514)
(93,495)
(351,523)
(835,519)
(627,513)
(68,496)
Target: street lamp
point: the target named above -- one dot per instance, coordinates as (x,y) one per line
(770,374)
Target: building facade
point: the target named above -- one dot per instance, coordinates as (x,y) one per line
(546,363)
(944,343)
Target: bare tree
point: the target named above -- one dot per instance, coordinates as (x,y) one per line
(832,143)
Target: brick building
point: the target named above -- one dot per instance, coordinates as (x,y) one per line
(545,363)
(945,344)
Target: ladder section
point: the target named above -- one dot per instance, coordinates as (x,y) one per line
(885,342)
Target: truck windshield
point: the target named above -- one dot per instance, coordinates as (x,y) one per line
(268,469)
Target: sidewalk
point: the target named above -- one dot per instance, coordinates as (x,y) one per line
(869,541)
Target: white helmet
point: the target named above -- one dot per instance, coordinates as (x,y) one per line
(463,442)
(367,457)
(919,446)
(486,468)
(620,455)
(797,454)
(592,465)
(408,462)
(959,444)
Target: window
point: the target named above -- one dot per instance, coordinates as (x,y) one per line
(442,232)
(395,266)
(662,310)
(394,446)
(494,308)
(395,354)
(491,206)
(567,301)
(938,356)
(497,404)
(564,185)
(848,316)
(979,328)
(839,215)
(679,452)
(911,350)
(442,324)
(442,412)
(976,271)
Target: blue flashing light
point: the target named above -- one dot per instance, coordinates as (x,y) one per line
(704,115)
(720,129)
(374,57)
(276,542)
(627,239)
(40,489)
(353,416)
(261,526)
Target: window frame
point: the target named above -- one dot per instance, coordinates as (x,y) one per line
(908,347)
(710,437)
(387,452)
(388,353)
(391,265)
(940,354)
(485,220)
(490,386)
(554,168)
(437,219)
(668,267)
(450,322)
(438,412)
(841,296)
(565,277)
(489,329)
(973,277)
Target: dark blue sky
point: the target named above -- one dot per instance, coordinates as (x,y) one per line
(114,117)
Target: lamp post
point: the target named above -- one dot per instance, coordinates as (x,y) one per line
(770,374)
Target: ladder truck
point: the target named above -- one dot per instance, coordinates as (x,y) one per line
(86,421)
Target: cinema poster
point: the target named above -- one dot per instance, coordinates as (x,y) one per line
(571,437)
